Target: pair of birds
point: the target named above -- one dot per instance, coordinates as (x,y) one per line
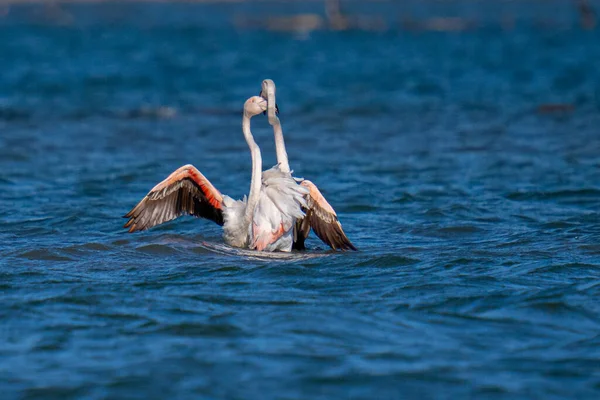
(278,213)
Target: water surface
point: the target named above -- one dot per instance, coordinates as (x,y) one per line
(464,166)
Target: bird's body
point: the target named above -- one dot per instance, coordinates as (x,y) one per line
(277,210)
(263,221)
(273,217)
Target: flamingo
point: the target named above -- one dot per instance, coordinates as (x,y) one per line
(264,221)
(319,215)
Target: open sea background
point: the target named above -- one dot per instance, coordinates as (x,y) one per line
(465,166)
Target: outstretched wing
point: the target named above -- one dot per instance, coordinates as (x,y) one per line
(321,217)
(185,192)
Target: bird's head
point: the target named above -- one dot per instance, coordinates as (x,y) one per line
(254,106)
(264,92)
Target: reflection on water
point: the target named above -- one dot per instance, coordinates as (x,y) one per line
(256,255)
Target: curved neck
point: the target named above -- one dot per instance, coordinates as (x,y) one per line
(255,181)
(282,157)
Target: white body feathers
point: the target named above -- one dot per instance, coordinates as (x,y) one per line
(279,204)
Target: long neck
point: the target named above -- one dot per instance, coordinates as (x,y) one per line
(282,157)
(255,182)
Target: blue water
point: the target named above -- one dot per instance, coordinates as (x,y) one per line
(474,200)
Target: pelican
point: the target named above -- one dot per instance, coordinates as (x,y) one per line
(319,215)
(264,221)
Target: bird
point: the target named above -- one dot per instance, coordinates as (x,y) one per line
(319,215)
(263,221)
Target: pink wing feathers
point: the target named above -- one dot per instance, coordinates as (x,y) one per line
(321,217)
(185,192)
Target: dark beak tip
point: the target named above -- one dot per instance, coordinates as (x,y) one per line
(276,106)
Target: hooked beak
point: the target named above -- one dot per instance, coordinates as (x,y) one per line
(264,96)
(263,105)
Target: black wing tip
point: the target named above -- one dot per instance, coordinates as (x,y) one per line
(344,246)
(131,226)
(350,246)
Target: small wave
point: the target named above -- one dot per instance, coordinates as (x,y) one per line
(357,208)
(94,246)
(591,248)
(568,194)
(14,114)
(27,221)
(157,249)
(459,230)
(404,198)
(435,212)
(198,330)
(561,268)
(44,255)
(65,221)
(525,218)
(461,261)
(559,225)
(390,260)
(512,243)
